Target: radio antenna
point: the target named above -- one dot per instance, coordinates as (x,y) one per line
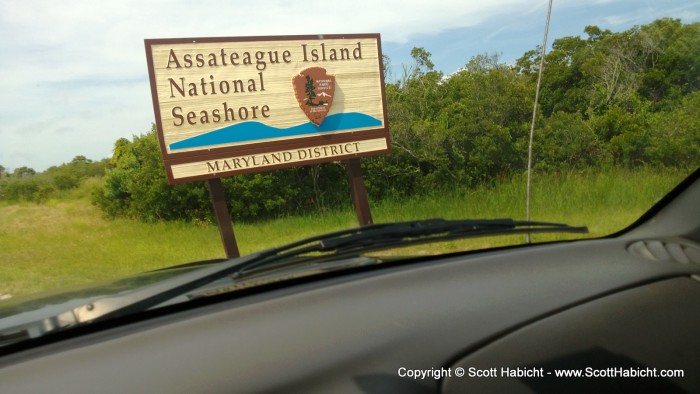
(534,116)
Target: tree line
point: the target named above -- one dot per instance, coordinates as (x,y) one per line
(26,184)
(629,99)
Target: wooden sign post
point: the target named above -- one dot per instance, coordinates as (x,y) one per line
(234,105)
(223,218)
(359,193)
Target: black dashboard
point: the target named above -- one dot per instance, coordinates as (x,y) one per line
(621,310)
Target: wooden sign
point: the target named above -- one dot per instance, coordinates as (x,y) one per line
(245,104)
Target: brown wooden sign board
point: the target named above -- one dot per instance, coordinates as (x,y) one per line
(233,105)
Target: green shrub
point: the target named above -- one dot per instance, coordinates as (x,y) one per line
(567,141)
(137,187)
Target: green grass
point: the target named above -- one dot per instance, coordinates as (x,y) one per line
(605,202)
(67,242)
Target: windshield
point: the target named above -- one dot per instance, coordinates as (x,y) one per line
(85,195)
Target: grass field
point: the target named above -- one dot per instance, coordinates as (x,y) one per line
(67,242)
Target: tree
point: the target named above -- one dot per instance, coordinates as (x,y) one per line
(137,186)
(310,91)
(674,135)
(672,61)
(23,172)
(421,57)
(564,85)
(567,141)
(65,181)
(484,63)
(80,159)
(386,62)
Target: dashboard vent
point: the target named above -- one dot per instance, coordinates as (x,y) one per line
(671,251)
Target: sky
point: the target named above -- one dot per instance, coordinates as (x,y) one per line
(74,79)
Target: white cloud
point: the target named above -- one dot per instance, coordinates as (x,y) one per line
(650,11)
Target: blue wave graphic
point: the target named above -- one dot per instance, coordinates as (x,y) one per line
(250,131)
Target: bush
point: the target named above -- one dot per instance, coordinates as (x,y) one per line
(25,184)
(674,137)
(137,187)
(567,141)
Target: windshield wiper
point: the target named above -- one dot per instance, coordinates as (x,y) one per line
(335,245)
(310,251)
(390,235)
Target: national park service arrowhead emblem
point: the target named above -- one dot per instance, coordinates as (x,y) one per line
(314,90)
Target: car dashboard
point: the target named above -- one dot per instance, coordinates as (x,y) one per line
(622,311)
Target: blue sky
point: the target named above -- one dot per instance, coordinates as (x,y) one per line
(73,78)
